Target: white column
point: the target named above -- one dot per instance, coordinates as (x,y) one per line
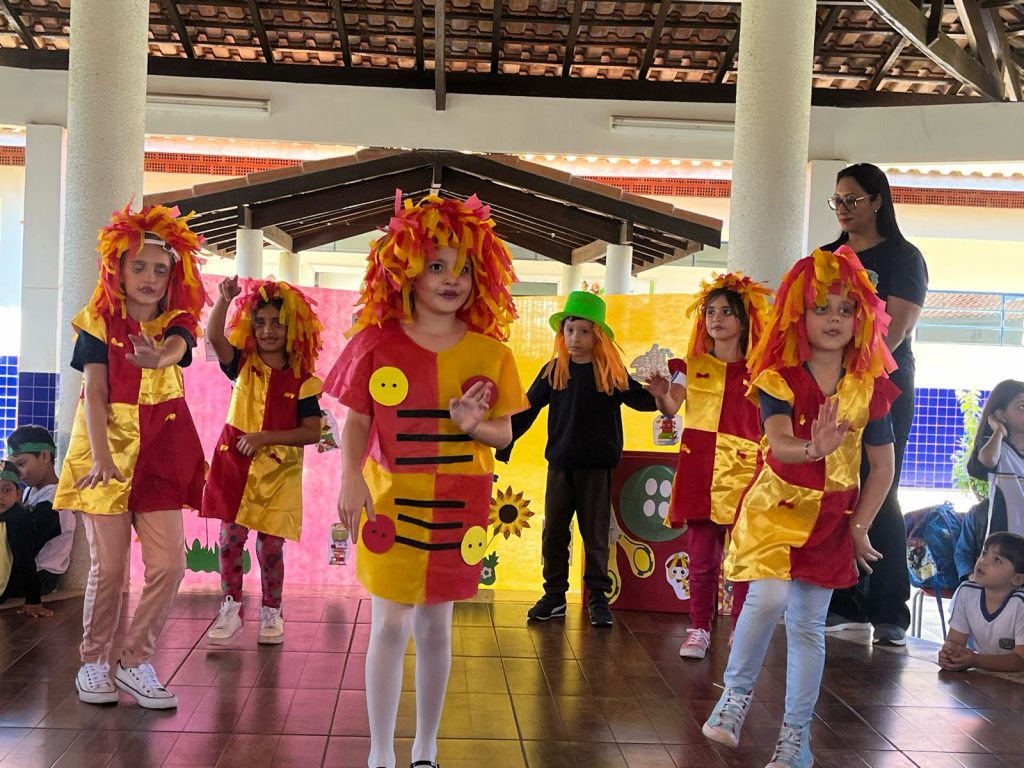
(105,153)
(570,279)
(41,249)
(820,225)
(618,268)
(249,253)
(773,111)
(288,267)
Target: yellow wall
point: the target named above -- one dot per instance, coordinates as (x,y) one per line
(638,322)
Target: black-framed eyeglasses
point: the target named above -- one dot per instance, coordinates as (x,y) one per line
(849,202)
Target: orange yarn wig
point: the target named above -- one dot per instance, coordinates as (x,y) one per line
(754,296)
(126,234)
(610,373)
(410,242)
(806,285)
(303,342)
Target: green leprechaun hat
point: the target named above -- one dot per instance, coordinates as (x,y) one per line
(586,305)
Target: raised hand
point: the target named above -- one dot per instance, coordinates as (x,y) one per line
(997,427)
(658,386)
(826,433)
(468,411)
(147,352)
(229,288)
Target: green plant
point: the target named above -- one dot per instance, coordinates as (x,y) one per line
(969,401)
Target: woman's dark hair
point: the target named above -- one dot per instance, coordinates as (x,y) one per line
(999,400)
(873,181)
(736,305)
(1010,546)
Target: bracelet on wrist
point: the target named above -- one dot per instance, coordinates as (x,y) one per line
(807,453)
(859,526)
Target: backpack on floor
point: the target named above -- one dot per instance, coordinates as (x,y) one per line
(932,535)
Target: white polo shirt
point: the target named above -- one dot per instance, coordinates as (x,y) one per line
(56,553)
(993,633)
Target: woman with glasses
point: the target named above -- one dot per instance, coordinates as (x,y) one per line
(864,208)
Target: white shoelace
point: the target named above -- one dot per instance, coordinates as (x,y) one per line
(698,637)
(270,618)
(733,709)
(146,675)
(789,745)
(222,617)
(97,673)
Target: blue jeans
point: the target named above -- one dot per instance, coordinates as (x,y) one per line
(805,606)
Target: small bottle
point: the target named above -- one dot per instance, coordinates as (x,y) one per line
(337,553)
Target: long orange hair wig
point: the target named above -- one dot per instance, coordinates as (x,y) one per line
(752,294)
(303,341)
(610,373)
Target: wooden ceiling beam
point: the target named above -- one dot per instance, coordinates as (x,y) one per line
(1003,64)
(339,22)
(261,31)
(886,63)
(910,21)
(829,22)
(336,198)
(340,231)
(589,252)
(934,20)
(171,9)
(278,237)
(417,6)
(24,32)
(570,42)
(728,58)
(653,43)
(559,215)
(536,243)
(499,6)
(440,91)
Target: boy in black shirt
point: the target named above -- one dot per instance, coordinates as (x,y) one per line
(19,545)
(585,385)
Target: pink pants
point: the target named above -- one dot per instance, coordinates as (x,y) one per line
(270,553)
(706,542)
(163,554)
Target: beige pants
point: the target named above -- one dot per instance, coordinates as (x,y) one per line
(163,554)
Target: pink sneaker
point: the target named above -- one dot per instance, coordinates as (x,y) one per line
(696,644)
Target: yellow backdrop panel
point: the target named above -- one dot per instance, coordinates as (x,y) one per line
(638,323)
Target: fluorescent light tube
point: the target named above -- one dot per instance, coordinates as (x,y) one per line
(670,124)
(190,103)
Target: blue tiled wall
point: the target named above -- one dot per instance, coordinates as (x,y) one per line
(8,396)
(37,395)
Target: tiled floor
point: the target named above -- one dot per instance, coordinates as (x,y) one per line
(545,697)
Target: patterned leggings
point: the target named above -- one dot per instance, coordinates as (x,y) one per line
(269,551)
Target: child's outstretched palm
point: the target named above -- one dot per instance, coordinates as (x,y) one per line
(147,352)
(827,433)
(229,288)
(468,411)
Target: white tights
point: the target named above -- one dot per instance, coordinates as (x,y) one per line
(390,625)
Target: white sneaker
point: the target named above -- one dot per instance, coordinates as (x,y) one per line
(228,623)
(142,683)
(696,644)
(94,686)
(271,626)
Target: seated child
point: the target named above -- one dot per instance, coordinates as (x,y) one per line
(988,612)
(18,545)
(32,449)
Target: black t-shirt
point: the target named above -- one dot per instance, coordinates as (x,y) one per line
(307,406)
(89,349)
(896,268)
(584,425)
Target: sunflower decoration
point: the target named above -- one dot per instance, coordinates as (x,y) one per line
(510,513)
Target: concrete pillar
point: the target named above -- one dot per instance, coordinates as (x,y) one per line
(105,153)
(570,279)
(773,111)
(618,268)
(288,267)
(249,253)
(40,264)
(820,225)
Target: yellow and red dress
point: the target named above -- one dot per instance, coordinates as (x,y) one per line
(718,448)
(150,430)
(793,520)
(430,482)
(262,492)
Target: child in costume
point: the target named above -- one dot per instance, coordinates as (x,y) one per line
(19,544)
(430,390)
(135,458)
(256,475)
(718,450)
(31,448)
(585,386)
(988,611)
(998,458)
(821,375)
